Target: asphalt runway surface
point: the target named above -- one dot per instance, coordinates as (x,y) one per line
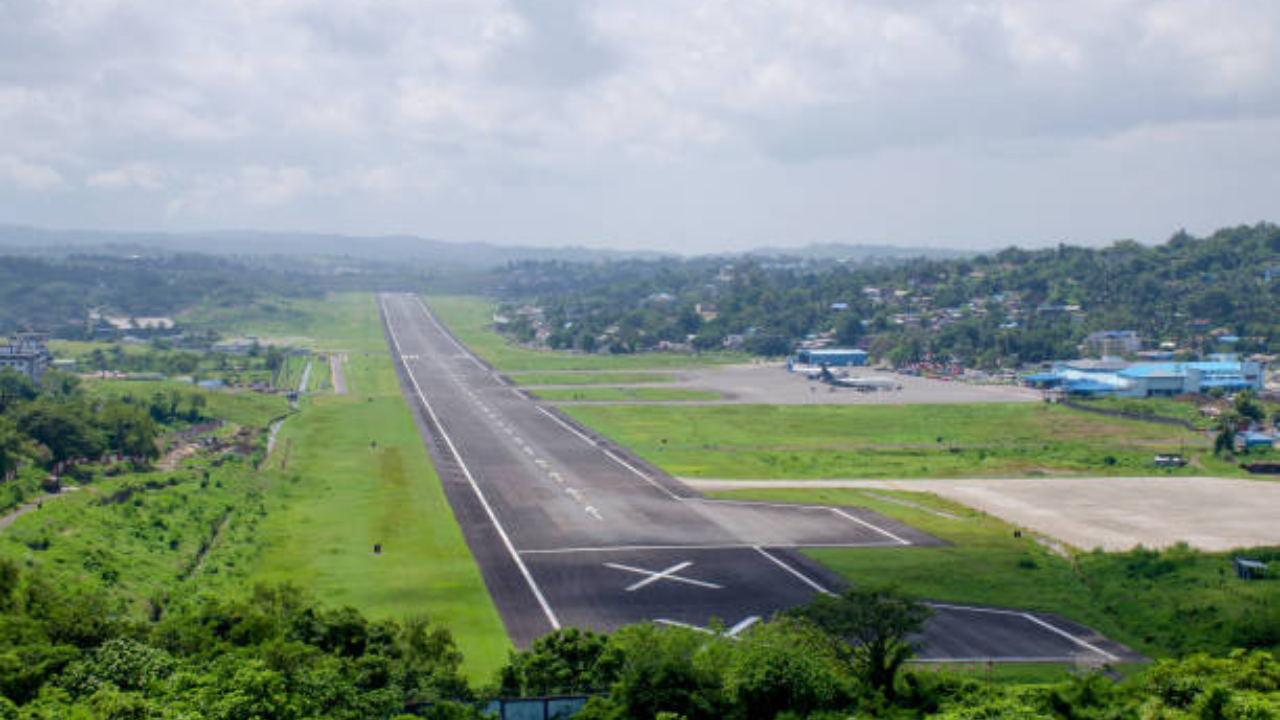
(571,530)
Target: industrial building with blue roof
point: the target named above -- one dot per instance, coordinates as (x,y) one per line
(1147,379)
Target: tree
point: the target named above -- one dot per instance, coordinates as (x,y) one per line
(668,670)
(876,623)
(62,428)
(1225,441)
(15,387)
(128,429)
(13,446)
(849,330)
(565,661)
(786,666)
(1248,407)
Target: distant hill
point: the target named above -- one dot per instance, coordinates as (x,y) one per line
(858,253)
(396,248)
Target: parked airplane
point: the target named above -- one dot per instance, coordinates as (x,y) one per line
(863,384)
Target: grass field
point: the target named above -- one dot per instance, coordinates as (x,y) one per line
(624,394)
(469,318)
(1176,601)
(339,321)
(320,380)
(884,441)
(344,495)
(603,378)
(240,407)
(82,348)
(290,373)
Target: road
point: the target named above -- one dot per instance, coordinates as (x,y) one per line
(339,380)
(571,530)
(305,379)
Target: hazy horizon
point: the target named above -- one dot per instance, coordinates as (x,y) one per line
(665,126)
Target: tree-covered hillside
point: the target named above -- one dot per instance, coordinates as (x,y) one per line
(998,309)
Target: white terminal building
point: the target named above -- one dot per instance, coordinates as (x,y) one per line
(28,353)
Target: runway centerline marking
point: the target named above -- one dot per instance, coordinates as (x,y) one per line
(657,575)
(484,502)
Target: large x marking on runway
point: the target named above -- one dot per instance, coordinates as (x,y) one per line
(655,576)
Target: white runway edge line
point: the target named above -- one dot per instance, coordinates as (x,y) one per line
(1032,618)
(506,540)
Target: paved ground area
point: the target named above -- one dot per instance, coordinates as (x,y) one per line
(771,384)
(1114,513)
(336,361)
(569,529)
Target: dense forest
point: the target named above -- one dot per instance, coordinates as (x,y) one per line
(274,654)
(55,293)
(999,309)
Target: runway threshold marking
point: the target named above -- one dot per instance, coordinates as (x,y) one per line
(1032,618)
(484,502)
(658,575)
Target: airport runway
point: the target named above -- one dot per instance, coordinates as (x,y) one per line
(572,530)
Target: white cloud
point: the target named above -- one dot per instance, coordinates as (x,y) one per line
(272,111)
(29,176)
(141,176)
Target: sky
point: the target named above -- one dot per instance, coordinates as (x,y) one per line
(679,125)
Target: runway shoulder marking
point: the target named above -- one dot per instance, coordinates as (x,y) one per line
(801,576)
(484,502)
(643,475)
(1030,618)
(793,506)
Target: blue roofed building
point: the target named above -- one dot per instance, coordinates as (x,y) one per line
(1150,379)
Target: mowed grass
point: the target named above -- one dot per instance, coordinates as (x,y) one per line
(604,378)
(624,394)
(470,319)
(885,441)
(337,321)
(343,494)
(319,380)
(1159,603)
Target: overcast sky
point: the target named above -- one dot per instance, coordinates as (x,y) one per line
(684,125)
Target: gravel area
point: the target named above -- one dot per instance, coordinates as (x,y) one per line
(1114,513)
